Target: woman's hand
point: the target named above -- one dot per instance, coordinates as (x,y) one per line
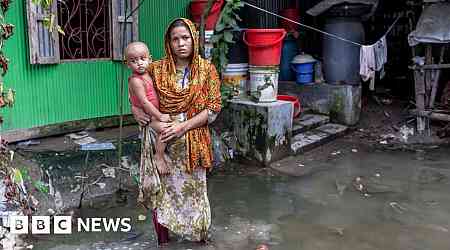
(140,116)
(159,127)
(175,131)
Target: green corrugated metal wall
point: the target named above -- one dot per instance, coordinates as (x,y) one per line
(48,94)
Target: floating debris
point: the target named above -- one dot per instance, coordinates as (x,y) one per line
(79,135)
(98,146)
(109,172)
(76,189)
(85,140)
(28,143)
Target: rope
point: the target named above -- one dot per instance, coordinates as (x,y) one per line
(318,30)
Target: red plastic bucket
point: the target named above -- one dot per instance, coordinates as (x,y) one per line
(264,46)
(294,100)
(292,14)
(197,7)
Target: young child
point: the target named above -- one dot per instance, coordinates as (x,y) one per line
(143,95)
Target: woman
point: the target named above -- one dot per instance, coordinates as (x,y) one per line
(189,90)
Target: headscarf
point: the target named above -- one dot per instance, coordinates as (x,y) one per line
(203,92)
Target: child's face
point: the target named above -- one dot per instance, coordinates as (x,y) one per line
(138,59)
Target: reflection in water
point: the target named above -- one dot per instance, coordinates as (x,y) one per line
(408,208)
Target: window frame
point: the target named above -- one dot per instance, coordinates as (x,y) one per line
(37,36)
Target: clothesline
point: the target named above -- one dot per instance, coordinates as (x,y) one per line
(318,30)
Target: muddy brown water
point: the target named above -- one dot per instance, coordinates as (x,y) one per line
(407,206)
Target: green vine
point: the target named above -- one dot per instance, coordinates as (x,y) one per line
(223,33)
(6,31)
(223,37)
(13,179)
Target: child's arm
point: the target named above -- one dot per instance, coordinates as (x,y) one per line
(138,89)
(159,126)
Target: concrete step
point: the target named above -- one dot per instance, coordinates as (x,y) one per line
(316,137)
(307,122)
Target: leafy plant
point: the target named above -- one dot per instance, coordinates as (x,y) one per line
(223,34)
(6,31)
(222,38)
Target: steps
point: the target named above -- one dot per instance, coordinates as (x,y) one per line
(311,130)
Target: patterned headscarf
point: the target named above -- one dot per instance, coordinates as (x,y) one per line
(203,92)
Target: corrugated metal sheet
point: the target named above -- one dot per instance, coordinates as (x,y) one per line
(257,19)
(154,23)
(48,94)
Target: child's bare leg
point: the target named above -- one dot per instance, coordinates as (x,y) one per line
(159,156)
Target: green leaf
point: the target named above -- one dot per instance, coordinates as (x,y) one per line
(60,30)
(136,179)
(17,176)
(216,38)
(25,175)
(41,187)
(226,19)
(220,26)
(46,22)
(228,37)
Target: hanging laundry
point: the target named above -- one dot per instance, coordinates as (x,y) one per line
(367,64)
(380,55)
(372,58)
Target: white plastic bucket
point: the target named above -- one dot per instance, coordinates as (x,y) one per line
(235,76)
(264,83)
(208,44)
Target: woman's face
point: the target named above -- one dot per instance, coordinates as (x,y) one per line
(181,42)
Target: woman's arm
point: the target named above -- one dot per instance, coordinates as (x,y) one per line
(213,91)
(160,126)
(179,129)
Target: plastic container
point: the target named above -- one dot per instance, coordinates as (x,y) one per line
(341,59)
(208,44)
(289,51)
(264,46)
(263,83)
(196,10)
(303,66)
(235,76)
(295,101)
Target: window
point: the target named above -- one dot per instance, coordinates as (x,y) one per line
(86,28)
(93,29)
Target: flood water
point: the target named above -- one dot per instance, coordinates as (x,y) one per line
(406,206)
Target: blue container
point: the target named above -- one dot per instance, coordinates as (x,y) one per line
(289,51)
(303,66)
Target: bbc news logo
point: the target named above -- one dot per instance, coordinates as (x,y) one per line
(63,224)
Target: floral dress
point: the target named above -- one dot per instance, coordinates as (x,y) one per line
(180,198)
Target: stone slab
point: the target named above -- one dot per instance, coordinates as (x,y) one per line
(263,130)
(316,137)
(307,122)
(341,102)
